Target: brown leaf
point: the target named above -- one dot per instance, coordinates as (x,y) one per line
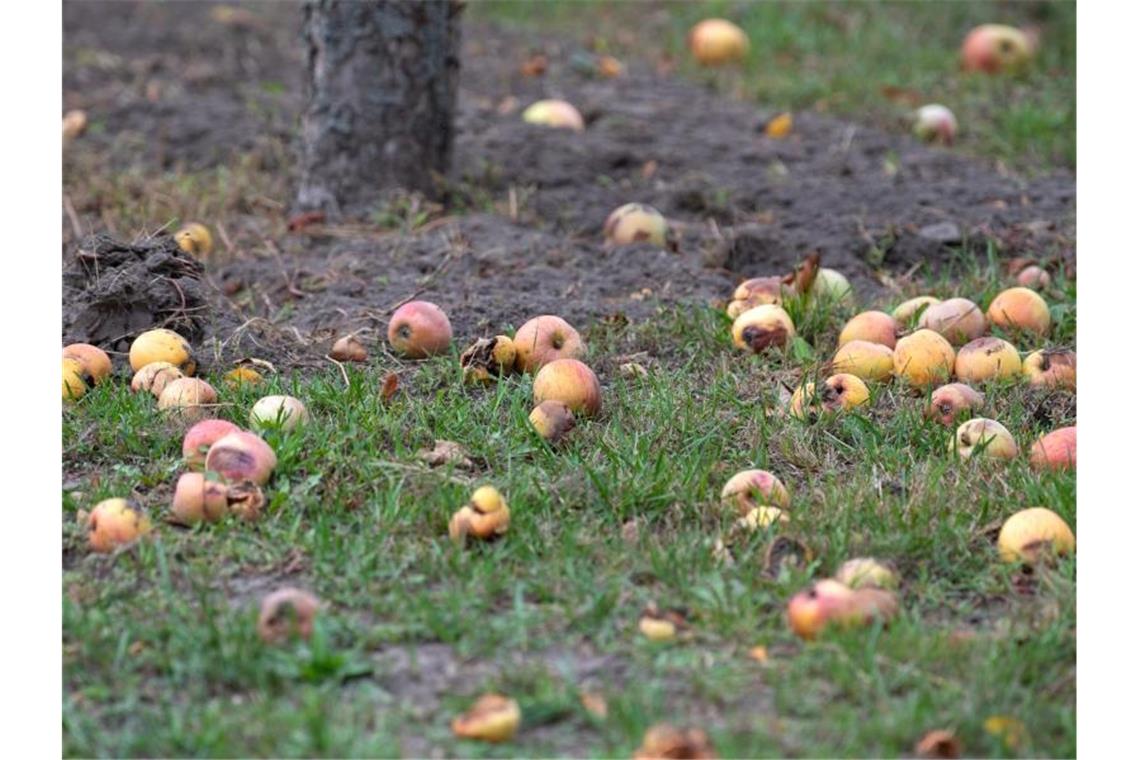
(535,66)
(305,219)
(445,452)
(390,386)
(901,95)
(595,704)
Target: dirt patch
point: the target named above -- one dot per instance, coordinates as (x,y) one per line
(171,88)
(112,291)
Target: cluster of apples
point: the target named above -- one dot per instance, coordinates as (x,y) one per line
(227,465)
(949,339)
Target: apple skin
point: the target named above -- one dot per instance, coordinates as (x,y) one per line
(1020,309)
(985,437)
(635,223)
(493,718)
(113,523)
(348,348)
(554,113)
(994,48)
(1056,450)
(162,346)
(958,320)
(1051,368)
(242,456)
(762,327)
(717,41)
(486,516)
(571,382)
(665,741)
(759,518)
(912,308)
(948,403)
(195,239)
(935,122)
(200,437)
(544,339)
(871,326)
(866,361)
(987,359)
(93,358)
(749,489)
(285,613)
(1025,534)
(923,358)
(761,289)
(419,329)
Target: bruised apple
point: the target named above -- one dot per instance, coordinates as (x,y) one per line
(543,339)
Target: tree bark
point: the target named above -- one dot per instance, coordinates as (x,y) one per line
(383,76)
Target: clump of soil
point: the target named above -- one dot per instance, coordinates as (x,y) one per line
(112,291)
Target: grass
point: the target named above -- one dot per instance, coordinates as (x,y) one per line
(161,655)
(873,62)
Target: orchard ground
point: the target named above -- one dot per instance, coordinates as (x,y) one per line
(194,119)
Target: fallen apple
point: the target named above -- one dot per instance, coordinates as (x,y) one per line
(241,376)
(486,516)
(871,326)
(1034,277)
(278,413)
(831,286)
(162,346)
(923,358)
(838,393)
(958,320)
(76,379)
(188,398)
(829,602)
(493,718)
(635,223)
(1027,535)
(554,113)
(717,41)
(760,290)
(348,348)
(984,438)
(154,377)
(935,122)
(1051,368)
(113,523)
(285,613)
(762,327)
(866,361)
(994,48)
(987,359)
(949,403)
(552,420)
(197,498)
(571,382)
(749,489)
(912,308)
(864,572)
(200,437)
(195,239)
(1056,450)
(93,359)
(74,124)
(242,456)
(1020,309)
(488,358)
(544,339)
(419,329)
(761,518)
(665,741)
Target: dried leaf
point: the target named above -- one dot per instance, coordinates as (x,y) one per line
(1009,730)
(389,387)
(595,704)
(759,653)
(939,744)
(779,127)
(535,66)
(445,452)
(305,219)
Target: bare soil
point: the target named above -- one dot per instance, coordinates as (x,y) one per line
(169,88)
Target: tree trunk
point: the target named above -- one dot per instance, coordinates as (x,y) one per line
(383,77)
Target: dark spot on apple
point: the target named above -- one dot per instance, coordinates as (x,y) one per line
(759,338)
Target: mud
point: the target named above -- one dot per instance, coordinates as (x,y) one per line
(169,88)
